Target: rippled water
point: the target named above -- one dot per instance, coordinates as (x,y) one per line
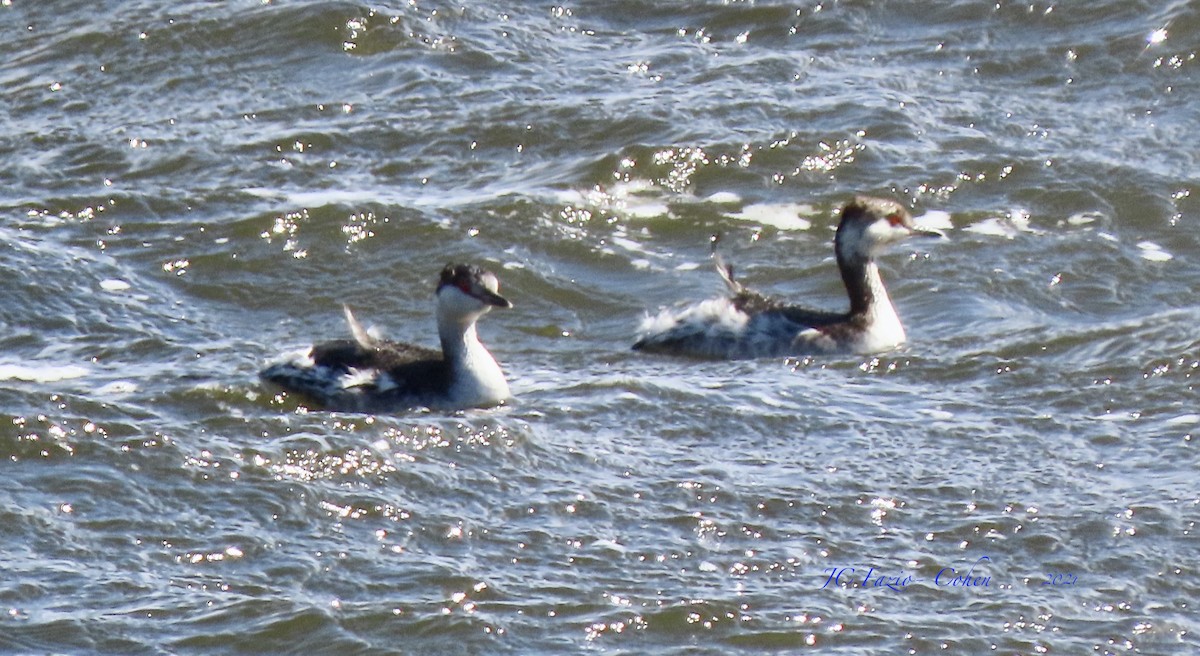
(188,188)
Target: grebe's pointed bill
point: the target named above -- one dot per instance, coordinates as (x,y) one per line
(494,299)
(489,297)
(475,282)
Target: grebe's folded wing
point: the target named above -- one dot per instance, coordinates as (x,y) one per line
(754,303)
(351,354)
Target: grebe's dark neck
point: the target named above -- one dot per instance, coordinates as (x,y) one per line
(869,300)
(871,308)
(863,284)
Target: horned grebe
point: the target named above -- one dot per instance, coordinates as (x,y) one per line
(750,325)
(365,374)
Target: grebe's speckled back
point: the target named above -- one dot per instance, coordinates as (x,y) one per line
(747,324)
(365,374)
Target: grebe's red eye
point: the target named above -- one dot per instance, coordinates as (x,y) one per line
(465,286)
(895,219)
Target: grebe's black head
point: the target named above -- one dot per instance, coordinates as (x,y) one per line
(870,224)
(468,289)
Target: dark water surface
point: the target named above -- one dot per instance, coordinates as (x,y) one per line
(188,188)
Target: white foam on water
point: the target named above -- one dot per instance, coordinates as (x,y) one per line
(783,216)
(1015,222)
(114,285)
(934,220)
(1153,252)
(116,388)
(41,373)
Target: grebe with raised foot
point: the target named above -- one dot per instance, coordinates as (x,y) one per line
(366,374)
(747,324)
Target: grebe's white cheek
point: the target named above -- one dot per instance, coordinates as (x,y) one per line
(879,231)
(491,282)
(454,301)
